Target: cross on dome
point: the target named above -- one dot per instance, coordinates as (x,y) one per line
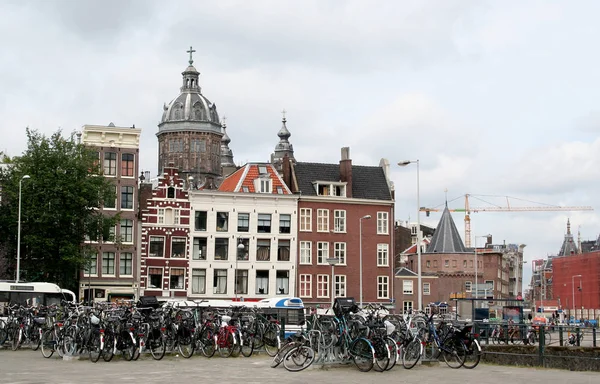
(191,51)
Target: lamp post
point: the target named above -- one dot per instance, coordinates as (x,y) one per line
(360,268)
(240,248)
(573,292)
(19,231)
(333,261)
(419,274)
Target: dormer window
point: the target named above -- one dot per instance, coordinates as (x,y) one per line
(262,169)
(328,188)
(263,184)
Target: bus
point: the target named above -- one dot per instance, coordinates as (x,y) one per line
(12,293)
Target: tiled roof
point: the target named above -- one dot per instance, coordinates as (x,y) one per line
(405,272)
(446,238)
(368,182)
(245,176)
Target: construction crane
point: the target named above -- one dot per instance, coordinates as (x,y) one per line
(508,208)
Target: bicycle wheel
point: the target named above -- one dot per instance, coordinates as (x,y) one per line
(362,354)
(394,352)
(156,344)
(207,343)
(108,351)
(3,332)
(382,354)
(237,346)
(185,343)
(411,353)
(16,338)
(278,358)
(226,344)
(36,339)
(247,344)
(516,338)
(69,344)
(94,347)
(48,343)
(454,352)
(473,355)
(128,346)
(299,358)
(271,340)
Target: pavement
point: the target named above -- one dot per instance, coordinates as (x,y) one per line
(28,367)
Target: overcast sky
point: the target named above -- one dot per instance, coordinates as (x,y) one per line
(494,98)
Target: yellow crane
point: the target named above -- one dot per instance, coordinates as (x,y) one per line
(508,208)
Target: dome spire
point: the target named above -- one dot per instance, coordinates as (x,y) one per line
(226,152)
(191,51)
(284,147)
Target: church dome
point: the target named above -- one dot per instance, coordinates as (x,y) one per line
(190,105)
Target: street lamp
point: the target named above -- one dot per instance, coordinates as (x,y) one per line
(333,261)
(573,292)
(19,231)
(420,288)
(365,217)
(240,248)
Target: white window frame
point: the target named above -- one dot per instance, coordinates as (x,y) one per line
(339,221)
(426,288)
(180,239)
(162,278)
(198,276)
(163,247)
(122,231)
(383,258)
(306,285)
(323,220)
(114,264)
(339,251)
(121,262)
(305,219)
(383,287)
(91,271)
(306,252)
(176,216)
(408,287)
(468,286)
(182,277)
(323,285)
(382,223)
(322,252)
(340,286)
(407,306)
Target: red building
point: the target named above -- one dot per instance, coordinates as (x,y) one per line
(576,284)
(165,238)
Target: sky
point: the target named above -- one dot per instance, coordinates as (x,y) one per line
(494,98)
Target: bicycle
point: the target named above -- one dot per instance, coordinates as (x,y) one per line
(448,345)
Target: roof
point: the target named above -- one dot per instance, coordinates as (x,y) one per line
(405,272)
(368,182)
(446,238)
(413,248)
(245,176)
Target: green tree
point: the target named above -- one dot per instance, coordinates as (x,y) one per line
(59,211)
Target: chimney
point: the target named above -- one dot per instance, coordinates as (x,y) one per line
(346,170)
(286,171)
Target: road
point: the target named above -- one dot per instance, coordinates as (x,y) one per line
(26,366)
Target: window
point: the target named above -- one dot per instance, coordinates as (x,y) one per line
(199,281)
(198,145)
(339,220)
(178,246)
(382,287)
(339,252)
(245,188)
(221,248)
(108,263)
(283,282)
(428,263)
(243,222)
(125,264)
(331,189)
(243,253)
(340,286)
(160,214)
(322,252)
(127,197)
(407,306)
(407,287)
(264,223)
(279,190)
(220,281)
(446,263)
(265,185)
(306,252)
(263,249)
(157,246)
(489,284)
(382,223)
(199,251)
(200,220)
(305,285)
(155,276)
(470,263)
(262,282)
(222,221)
(110,164)
(305,219)
(464,263)
(382,255)
(171,193)
(283,250)
(322,285)
(176,216)
(435,263)
(285,222)
(91,264)
(111,203)
(127,230)
(241,281)
(127,165)
(112,230)
(322,220)
(468,286)
(426,288)
(177,278)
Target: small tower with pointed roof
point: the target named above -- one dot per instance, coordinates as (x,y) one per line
(568,247)
(446,238)
(284,147)
(227,164)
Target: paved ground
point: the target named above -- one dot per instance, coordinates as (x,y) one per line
(26,366)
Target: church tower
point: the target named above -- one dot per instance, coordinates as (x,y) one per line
(190,133)
(284,147)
